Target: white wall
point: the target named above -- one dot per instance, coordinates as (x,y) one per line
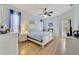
(36,20)
(0,14)
(56,24)
(74,15)
(62,17)
(5,14)
(76,18)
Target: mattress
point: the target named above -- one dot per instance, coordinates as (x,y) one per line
(39,35)
(36,37)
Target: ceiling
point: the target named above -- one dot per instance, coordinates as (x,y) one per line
(37,9)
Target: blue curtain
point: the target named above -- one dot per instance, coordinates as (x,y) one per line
(15,18)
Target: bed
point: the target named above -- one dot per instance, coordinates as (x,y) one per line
(40,37)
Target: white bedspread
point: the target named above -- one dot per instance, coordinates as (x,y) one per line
(40,35)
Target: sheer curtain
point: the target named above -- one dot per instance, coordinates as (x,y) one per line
(15,18)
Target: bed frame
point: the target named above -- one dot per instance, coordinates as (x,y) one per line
(41,43)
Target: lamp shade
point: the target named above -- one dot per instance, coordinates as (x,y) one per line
(23,28)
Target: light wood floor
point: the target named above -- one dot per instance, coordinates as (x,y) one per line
(55,47)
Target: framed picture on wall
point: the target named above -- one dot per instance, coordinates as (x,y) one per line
(32,22)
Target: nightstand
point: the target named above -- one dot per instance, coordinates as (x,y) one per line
(22,37)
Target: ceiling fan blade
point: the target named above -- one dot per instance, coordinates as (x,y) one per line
(45,13)
(48,14)
(51,12)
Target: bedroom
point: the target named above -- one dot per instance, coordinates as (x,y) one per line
(41,27)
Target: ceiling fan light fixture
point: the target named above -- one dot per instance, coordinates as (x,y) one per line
(45,9)
(46,13)
(45,16)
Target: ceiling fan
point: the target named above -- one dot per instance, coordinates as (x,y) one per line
(46,13)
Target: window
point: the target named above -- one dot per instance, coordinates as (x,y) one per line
(15,18)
